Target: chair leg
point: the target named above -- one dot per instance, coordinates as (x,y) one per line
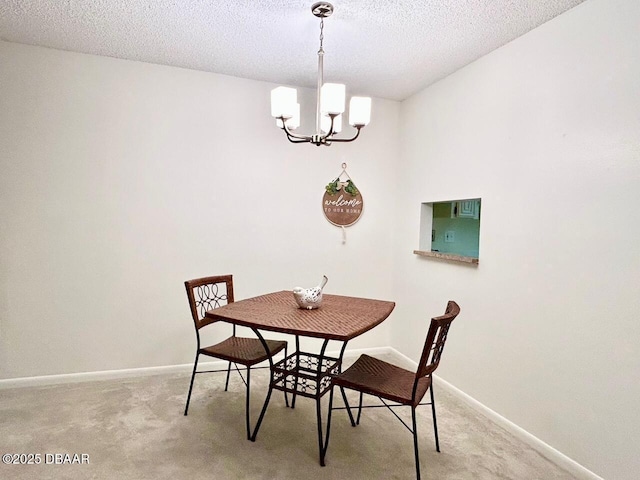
(248,402)
(359,409)
(226,384)
(193,375)
(348,407)
(433,414)
(415,441)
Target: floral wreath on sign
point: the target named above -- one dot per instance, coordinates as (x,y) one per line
(342,202)
(348,186)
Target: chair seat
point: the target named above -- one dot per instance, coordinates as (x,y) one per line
(382,379)
(245,351)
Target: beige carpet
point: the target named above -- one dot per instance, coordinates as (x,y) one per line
(135,429)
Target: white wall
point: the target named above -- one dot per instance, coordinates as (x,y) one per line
(120,180)
(546,130)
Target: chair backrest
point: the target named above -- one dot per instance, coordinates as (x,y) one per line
(436,338)
(206,294)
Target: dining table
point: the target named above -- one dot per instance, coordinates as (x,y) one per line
(302,373)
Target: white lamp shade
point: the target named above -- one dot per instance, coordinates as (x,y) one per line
(293,122)
(283,102)
(332,98)
(360,111)
(325,123)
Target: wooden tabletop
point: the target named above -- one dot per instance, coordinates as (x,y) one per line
(338,318)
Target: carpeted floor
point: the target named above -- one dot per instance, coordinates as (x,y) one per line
(135,429)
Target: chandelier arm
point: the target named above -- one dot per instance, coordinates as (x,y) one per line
(297,141)
(306,138)
(289,133)
(347,139)
(331,131)
(293,138)
(297,138)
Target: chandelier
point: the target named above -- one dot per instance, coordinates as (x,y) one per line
(330,102)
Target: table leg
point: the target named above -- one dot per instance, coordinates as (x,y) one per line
(324,445)
(252,437)
(323,442)
(321,438)
(295,378)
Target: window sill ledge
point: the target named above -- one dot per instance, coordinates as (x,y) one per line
(448,256)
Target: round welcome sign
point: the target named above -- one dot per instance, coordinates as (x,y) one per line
(342,203)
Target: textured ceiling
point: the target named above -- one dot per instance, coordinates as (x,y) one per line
(384,48)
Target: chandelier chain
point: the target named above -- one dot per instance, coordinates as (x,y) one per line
(321,32)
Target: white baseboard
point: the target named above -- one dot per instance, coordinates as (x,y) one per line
(534,442)
(148,371)
(94,376)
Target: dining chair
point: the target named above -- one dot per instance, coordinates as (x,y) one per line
(209,293)
(389,382)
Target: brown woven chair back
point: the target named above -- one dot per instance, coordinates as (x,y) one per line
(436,338)
(206,294)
